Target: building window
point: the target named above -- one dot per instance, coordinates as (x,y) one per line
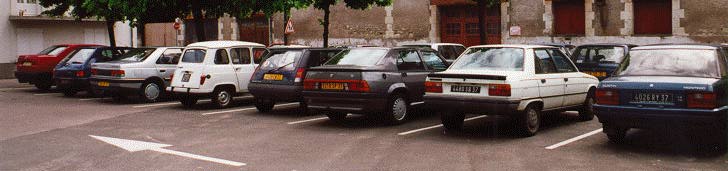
(452,28)
(569,16)
(652,16)
(472,28)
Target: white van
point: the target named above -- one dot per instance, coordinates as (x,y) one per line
(218,70)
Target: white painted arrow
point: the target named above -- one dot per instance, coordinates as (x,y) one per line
(134,146)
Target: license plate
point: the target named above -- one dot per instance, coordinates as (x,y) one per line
(653,98)
(186,77)
(65,81)
(332,86)
(597,74)
(27,64)
(465,89)
(276,77)
(103,84)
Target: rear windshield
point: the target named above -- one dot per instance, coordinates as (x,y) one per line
(135,55)
(418,46)
(80,56)
(194,56)
(53,50)
(671,62)
(496,59)
(282,60)
(359,57)
(599,54)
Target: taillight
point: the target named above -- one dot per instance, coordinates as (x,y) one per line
(309,84)
(118,73)
(202,79)
(433,87)
(257,68)
(607,97)
(94,72)
(702,100)
(80,74)
(499,90)
(357,86)
(171,76)
(300,73)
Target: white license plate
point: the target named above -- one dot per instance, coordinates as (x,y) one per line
(653,98)
(27,64)
(465,89)
(186,77)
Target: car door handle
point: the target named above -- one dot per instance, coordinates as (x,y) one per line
(543,81)
(566,79)
(162,70)
(404,74)
(238,68)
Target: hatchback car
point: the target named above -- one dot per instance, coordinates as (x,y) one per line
(72,74)
(143,72)
(382,82)
(37,69)
(520,81)
(600,60)
(450,51)
(668,86)
(280,77)
(218,70)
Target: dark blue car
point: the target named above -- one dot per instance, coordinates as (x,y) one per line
(660,87)
(600,60)
(72,73)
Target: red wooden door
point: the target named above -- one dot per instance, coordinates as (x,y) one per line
(652,16)
(254,29)
(569,16)
(459,24)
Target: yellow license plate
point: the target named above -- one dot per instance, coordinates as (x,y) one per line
(103,84)
(332,86)
(597,74)
(27,64)
(276,77)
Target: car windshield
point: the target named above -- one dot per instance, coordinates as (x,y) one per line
(418,46)
(281,60)
(599,54)
(496,59)
(80,56)
(135,55)
(194,56)
(53,50)
(359,57)
(671,62)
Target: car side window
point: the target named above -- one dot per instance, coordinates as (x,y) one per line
(563,65)
(240,55)
(409,60)
(221,57)
(458,50)
(319,57)
(170,56)
(258,54)
(445,51)
(433,61)
(546,63)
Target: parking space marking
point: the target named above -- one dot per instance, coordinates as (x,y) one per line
(164,104)
(45,94)
(307,120)
(89,99)
(437,126)
(16,88)
(243,109)
(134,146)
(577,138)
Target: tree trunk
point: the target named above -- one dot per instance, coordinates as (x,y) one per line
(198,20)
(286,17)
(481,22)
(141,34)
(110,30)
(327,12)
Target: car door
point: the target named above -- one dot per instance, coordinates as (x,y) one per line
(222,70)
(242,62)
(551,83)
(167,63)
(575,85)
(413,72)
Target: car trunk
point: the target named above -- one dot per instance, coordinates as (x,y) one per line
(69,70)
(189,75)
(599,70)
(281,68)
(654,91)
(36,63)
(470,84)
(341,78)
(105,69)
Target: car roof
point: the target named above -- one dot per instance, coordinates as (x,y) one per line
(430,44)
(223,44)
(609,44)
(513,46)
(679,46)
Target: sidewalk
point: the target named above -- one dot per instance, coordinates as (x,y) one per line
(12,83)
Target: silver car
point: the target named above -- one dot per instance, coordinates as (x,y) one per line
(142,72)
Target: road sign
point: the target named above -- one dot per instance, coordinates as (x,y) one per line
(176,25)
(289,27)
(134,146)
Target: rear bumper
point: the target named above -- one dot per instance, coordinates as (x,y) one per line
(635,117)
(72,83)
(123,86)
(32,77)
(276,92)
(360,103)
(183,91)
(471,104)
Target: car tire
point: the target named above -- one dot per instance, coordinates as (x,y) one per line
(188,102)
(43,85)
(303,107)
(222,97)
(151,92)
(453,121)
(615,134)
(586,113)
(336,116)
(264,105)
(69,92)
(396,110)
(529,121)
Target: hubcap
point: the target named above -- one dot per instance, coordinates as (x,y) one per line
(532,120)
(223,97)
(151,91)
(399,109)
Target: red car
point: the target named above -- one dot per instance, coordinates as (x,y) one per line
(38,69)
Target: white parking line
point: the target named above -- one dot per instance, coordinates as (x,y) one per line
(16,88)
(164,104)
(437,126)
(243,109)
(89,99)
(45,94)
(307,120)
(557,145)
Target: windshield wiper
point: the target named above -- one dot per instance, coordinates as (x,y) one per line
(281,67)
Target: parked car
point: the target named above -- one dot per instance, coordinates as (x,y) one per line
(37,69)
(519,81)
(143,72)
(280,77)
(600,60)
(567,48)
(668,86)
(72,74)
(218,70)
(383,81)
(450,51)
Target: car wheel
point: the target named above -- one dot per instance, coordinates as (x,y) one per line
(529,121)
(336,116)
(188,102)
(587,111)
(453,121)
(222,97)
(303,107)
(43,85)
(264,105)
(151,91)
(396,112)
(69,92)
(616,134)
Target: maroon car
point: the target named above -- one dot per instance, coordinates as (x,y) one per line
(37,69)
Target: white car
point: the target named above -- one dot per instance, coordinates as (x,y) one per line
(448,50)
(521,81)
(218,70)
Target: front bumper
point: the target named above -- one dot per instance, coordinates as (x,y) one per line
(276,92)
(123,86)
(32,77)
(472,104)
(635,117)
(360,103)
